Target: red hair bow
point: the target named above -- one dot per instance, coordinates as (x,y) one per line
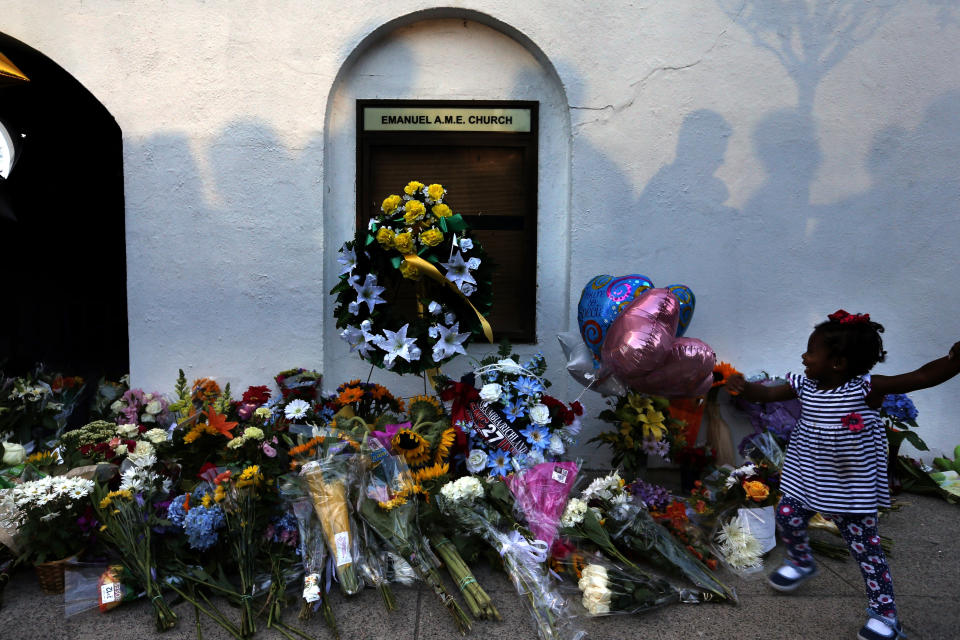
(843,317)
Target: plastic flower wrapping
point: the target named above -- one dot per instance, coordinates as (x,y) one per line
(414,285)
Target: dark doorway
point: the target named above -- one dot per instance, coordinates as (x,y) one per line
(62,244)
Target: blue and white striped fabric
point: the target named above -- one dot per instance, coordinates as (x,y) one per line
(827,466)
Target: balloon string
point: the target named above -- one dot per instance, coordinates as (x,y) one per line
(586,388)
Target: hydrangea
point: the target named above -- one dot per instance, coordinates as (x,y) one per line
(201,524)
(574,513)
(899,407)
(465,488)
(175,512)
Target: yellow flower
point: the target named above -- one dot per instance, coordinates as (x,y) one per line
(413,211)
(756,490)
(412,446)
(436,192)
(441,211)
(413,188)
(431,237)
(105,502)
(403,242)
(385,237)
(207,500)
(220,493)
(410,271)
(250,476)
(390,203)
(652,423)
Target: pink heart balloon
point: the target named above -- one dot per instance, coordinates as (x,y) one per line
(686,371)
(640,349)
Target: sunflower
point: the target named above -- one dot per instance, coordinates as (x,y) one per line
(414,447)
(428,407)
(447,438)
(432,472)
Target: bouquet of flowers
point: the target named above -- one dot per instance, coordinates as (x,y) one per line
(128,519)
(607,516)
(485,509)
(643,427)
(28,409)
(327,482)
(541,494)
(136,406)
(511,422)
(386,503)
(415,239)
(45,516)
(738,546)
(102,441)
(607,589)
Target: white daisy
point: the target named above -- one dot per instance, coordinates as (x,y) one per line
(296,409)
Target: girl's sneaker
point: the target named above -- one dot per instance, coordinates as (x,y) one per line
(878,628)
(788,577)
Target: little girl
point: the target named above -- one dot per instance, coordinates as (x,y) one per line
(836,462)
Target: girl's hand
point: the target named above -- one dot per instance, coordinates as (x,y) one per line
(954,351)
(736,382)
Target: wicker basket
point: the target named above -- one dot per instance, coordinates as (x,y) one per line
(50,575)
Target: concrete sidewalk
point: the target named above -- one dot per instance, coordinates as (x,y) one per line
(925,565)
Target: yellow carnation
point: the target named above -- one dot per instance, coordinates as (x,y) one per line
(413,188)
(436,192)
(390,203)
(403,242)
(410,271)
(431,237)
(441,211)
(414,211)
(385,237)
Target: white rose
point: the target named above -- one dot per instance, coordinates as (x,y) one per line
(13,453)
(117,406)
(153,407)
(556,444)
(507,365)
(540,414)
(595,570)
(592,583)
(477,460)
(491,392)
(598,594)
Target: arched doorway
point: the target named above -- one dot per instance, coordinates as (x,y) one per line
(62,246)
(449,54)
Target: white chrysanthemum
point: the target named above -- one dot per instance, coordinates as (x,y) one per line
(81,489)
(740,548)
(603,488)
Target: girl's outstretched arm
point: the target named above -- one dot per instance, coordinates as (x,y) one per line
(929,375)
(753,392)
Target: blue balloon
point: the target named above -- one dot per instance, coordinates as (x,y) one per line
(602,300)
(687,302)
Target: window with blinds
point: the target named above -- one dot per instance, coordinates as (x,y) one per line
(489,171)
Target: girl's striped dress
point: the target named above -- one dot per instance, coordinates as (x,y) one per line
(827,466)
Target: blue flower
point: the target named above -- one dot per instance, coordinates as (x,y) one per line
(528,386)
(537,435)
(899,407)
(201,524)
(499,463)
(175,512)
(515,410)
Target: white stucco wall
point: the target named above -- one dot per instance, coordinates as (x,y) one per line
(780,164)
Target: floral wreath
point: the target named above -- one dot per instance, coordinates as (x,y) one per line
(416,240)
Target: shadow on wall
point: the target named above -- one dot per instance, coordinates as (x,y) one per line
(223,266)
(62,226)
